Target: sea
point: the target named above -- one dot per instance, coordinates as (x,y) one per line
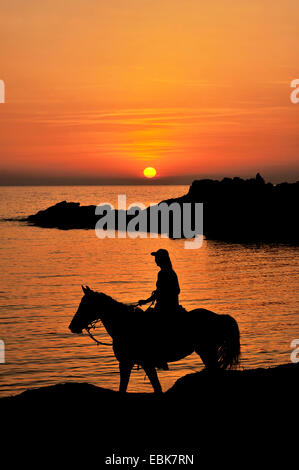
(42,271)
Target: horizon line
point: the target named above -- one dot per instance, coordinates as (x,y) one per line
(186,180)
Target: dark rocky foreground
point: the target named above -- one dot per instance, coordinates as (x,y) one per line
(233,417)
(234,210)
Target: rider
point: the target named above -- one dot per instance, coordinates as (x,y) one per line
(166,295)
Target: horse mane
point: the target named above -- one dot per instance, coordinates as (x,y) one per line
(122,307)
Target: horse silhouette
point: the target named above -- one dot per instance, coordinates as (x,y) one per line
(147,339)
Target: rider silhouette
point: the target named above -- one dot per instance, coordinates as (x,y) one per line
(166,296)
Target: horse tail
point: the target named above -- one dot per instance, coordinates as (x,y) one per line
(228,348)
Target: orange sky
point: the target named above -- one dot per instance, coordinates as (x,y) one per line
(106,88)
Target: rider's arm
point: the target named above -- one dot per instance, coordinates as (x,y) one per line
(150,299)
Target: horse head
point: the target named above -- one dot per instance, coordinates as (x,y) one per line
(88,310)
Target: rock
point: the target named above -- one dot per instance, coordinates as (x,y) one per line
(235,210)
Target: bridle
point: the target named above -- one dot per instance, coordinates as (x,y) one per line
(92,326)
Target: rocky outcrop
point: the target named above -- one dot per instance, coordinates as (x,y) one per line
(234,209)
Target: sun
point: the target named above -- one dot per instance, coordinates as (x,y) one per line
(149,172)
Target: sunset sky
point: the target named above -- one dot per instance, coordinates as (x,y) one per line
(102,89)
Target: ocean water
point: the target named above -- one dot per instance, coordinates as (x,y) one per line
(42,271)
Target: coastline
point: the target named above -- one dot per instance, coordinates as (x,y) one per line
(234,210)
(230,411)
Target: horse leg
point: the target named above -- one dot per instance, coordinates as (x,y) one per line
(153,377)
(125,372)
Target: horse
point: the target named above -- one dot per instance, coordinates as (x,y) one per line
(147,339)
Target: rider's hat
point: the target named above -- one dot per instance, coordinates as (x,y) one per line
(161,253)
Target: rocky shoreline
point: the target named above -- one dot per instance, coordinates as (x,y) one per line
(234,210)
(226,416)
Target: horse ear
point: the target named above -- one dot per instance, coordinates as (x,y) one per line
(88,288)
(84,289)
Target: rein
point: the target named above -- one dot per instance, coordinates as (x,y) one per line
(93,326)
